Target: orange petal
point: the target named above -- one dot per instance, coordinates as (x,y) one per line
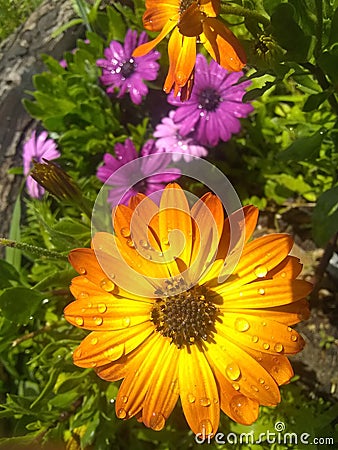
(210,7)
(244,373)
(222,45)
(98,348)
(107,313)
(260,334)
(145,48)
(155,17)
(198,392)
(186,61)
(175,227)
(163,392)
(84,261)
(263,294)
(289,268)
(174,48)
(133,390)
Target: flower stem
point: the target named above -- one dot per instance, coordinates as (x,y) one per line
(247,13)
(40,251)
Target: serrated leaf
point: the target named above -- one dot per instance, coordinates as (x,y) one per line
(325,216)
(18,304)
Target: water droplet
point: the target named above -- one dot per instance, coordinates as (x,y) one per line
(131,243)
(107,285)
(266,346)
(260,271)
(112,276)
(93,364)
(261,291)
(94,341)
(294,338)
(78,353)
(102,308)
(278,347)
(165,241)
(261,380)
(98,320)
(242,324)
(125,232)
(124,399)
(205,401)
(82,270)
(283,274)
(144,243)
(157,421)
(79,321)
(206,427)
(254,388)
(191,398)
(255,339)
(238,406)
(266,387)
(121,413)
(83,294)
(233,371)
(290,329)
(263,324)
(126,321)
(236,386)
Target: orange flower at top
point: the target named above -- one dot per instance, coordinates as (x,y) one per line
(192,21)
(208,321)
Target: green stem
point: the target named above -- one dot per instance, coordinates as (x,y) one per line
(40,251)
(248,13)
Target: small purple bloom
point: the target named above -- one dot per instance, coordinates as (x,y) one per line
(37,148)
(171,141)
(212,113)
(129,173)
(126,73)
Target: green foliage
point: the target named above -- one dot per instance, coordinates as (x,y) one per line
(13,13)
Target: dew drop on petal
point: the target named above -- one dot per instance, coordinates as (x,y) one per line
(233,371)
(261,380)
(261,291)
(82,271)
(78,353)
(157,421)
(144,243)
(121,413)
(236,386)
(266,346)
(124,399)
(107,285)
(266,387)
(242,324)
(205,401)
(125,232)
(191,398)
(126,321)
(131,243)
(94,341)
(98,321)
(290,329)
(206,427)
(102,308)
(278,347)
(254,388)
(79,321)
(237,407)
(83,294)
(283,274)
(255,339)
(294,338)
(260,271)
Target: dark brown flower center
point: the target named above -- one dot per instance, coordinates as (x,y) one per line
(184,5)
(185,317)
(209,99)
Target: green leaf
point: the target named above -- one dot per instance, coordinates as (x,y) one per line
(328,62)
(304,148)
(15,171)
(325,216)
(333,37)
(315,100)
(13,255)
(18,304)
(117,28)
(7,273)
(257,92)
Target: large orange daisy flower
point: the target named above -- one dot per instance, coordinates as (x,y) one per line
(189,327)
(190,21)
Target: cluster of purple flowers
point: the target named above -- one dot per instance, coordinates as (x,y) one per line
(210,115)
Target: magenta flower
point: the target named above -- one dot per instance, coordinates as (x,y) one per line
(171,140)
(129,173)
(126,73)
(37,148)
(212,113)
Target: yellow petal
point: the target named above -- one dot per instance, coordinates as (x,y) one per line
(163,392)
(186,61)
(174,48)
(100,348)
(198,392)
(156,16)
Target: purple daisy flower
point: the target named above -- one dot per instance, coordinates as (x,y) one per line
(171,140)
(129,173)
(126,73)
(212,112)
(37,148)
